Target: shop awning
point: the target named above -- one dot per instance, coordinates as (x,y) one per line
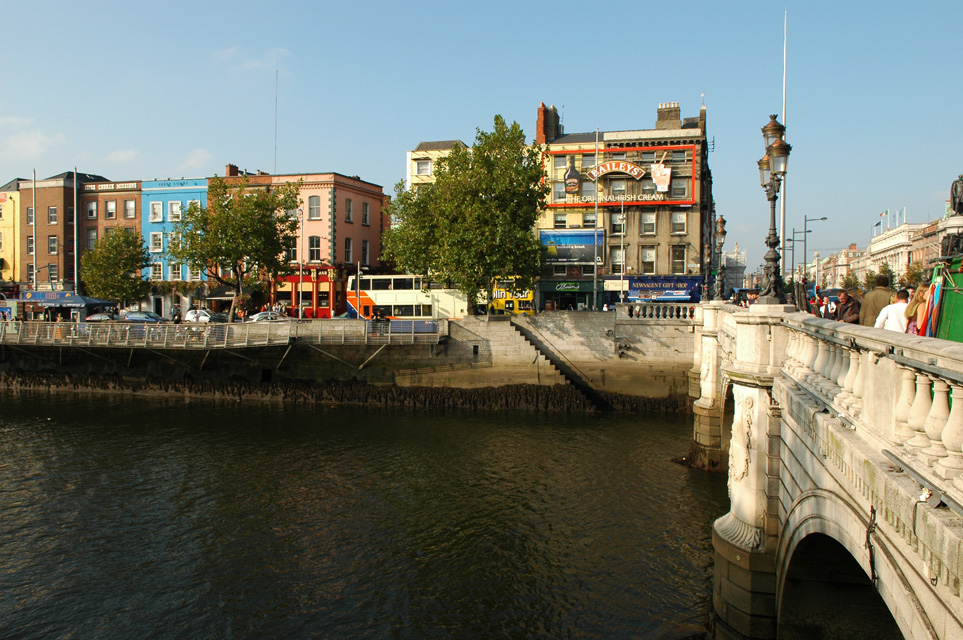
(64,299)
(221,293)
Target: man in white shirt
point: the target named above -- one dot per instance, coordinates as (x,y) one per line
(893,317)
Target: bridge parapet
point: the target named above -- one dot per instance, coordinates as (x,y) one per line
(846,433)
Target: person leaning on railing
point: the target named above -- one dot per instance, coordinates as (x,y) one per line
(847,309)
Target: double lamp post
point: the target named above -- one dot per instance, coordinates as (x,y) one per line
(772,168)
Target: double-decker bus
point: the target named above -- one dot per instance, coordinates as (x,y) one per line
(402,297)
(505,300)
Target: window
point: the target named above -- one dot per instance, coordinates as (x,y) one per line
(648,185)
(615,259)
(422,167)
(110,210)
(678,222)
(70,220)
(348,210)
(588,162)
(130,209)
(680,156)
(648,260)
(559,270)
(314,248)
(31,275)
(558,191)
(173,211)
(618,156)
(364,252)
(29,245)
(617,222)
(348,254)
(678,259)
(51,215)
(561,161)
(365,213)
(51,245)
(314,208)
(648,222)
(1,241)
(192,203)
(679,188)
(291,251)
(175,272)
(156,212)
(561,220)
(156,242)
(588,220)
(52,273)
(617,187)
(91,210)
(156,271)
(91,239)
(29,216)
(588,190)
(648,157)
(69,271)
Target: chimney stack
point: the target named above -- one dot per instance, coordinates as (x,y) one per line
(669,116)
(231,171)
(547,126)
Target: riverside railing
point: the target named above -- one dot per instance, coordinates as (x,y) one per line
(216,335)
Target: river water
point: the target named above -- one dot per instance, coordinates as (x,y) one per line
(134,518)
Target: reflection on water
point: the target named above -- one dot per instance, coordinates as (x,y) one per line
(126,518)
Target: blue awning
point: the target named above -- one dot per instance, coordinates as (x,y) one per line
(64,299)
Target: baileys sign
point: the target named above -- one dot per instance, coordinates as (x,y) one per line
(616,166)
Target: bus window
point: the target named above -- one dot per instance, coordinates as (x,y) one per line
(425,311)
(380,284)
(383,310)
(406,284)
(404,310)
(365,283)
(509,305)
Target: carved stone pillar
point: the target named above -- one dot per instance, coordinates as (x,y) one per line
(708,449)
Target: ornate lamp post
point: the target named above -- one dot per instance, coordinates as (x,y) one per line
(772,168)
(720,293)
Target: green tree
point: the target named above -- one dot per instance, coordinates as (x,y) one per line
(110,271)
(886,270)
(474,224)
(915,276)
(869,279)
(851,281)
(242,232)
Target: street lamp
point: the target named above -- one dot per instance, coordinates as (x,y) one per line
(300,260)
(772,168)
(792,248)
(720,293)
(806,222)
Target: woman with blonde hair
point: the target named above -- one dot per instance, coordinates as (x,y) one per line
(916,310)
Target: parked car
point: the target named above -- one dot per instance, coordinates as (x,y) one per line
(269,316)
(204,315)
(146,317)
(102,317)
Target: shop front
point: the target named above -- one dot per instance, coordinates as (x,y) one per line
(663,289)
(319,292)
(569,295)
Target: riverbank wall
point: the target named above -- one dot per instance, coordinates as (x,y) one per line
(627,363)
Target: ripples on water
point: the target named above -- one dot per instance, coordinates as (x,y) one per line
(128,518)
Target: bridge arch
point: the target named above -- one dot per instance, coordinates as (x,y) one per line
(823,560)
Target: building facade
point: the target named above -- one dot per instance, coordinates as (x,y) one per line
(10,265)
(629,214)
(105,206)
(422,163)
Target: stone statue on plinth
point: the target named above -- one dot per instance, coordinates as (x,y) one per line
(956,196)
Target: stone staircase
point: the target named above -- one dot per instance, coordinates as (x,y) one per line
(516,360)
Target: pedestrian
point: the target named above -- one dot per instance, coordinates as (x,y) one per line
(915,309)
(847,310)
(874,301)
(893,316)
(827,308)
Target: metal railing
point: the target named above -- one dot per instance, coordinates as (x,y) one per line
(216,335)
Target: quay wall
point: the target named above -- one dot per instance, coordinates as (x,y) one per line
(642,358)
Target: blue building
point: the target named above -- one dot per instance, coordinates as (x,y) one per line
(163,204)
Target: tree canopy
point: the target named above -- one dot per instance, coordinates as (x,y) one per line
(241,234)
(475,223)
(110,270)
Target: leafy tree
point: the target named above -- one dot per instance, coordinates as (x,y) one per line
(243,232)
(886,270)
(474,224)
(110,271)
(869,279)
(851,281)
(915,276)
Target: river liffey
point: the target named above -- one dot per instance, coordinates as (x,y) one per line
(132,518)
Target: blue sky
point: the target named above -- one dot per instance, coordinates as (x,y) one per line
(140,90)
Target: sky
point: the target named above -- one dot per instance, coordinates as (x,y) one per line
(138,91)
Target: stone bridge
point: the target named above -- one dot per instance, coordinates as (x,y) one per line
(844,449)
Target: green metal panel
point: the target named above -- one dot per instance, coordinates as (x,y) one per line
(950,320)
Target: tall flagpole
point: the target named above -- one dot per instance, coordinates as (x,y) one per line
(76,229)
(782,201)
(35,230)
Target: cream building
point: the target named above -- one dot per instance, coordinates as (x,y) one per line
(10,232)
(422,163)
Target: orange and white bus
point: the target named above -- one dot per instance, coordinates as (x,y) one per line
(402,297)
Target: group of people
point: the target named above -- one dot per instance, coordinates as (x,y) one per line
(882,307)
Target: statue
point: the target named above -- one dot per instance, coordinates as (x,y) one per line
(956,196)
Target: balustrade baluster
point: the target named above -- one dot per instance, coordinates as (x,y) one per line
(822,357)
(832,387)
(826,383)
(952,465)
(918,412)
(901,430)
(935,422)
(846,396)
(812,353)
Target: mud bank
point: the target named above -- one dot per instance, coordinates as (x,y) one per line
(522,397)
